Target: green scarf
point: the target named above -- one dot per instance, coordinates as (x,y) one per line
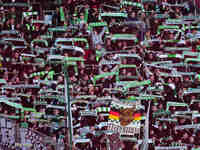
(41,74)
(50,75)
(62,15)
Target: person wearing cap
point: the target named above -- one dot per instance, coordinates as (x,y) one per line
(75,20)
(82,23)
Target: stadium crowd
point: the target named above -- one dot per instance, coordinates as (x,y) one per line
(136,50)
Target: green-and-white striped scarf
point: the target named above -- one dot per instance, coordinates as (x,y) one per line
(102,109)
(42,73)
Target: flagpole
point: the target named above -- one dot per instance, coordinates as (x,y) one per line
(67,104)
(195,8)
(107,144)
(146,130)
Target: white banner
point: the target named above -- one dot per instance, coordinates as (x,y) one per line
(123,118)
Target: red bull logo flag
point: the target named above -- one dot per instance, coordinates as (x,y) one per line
(123,118)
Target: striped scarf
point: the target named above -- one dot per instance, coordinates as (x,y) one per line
(102,109)
(42,73)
